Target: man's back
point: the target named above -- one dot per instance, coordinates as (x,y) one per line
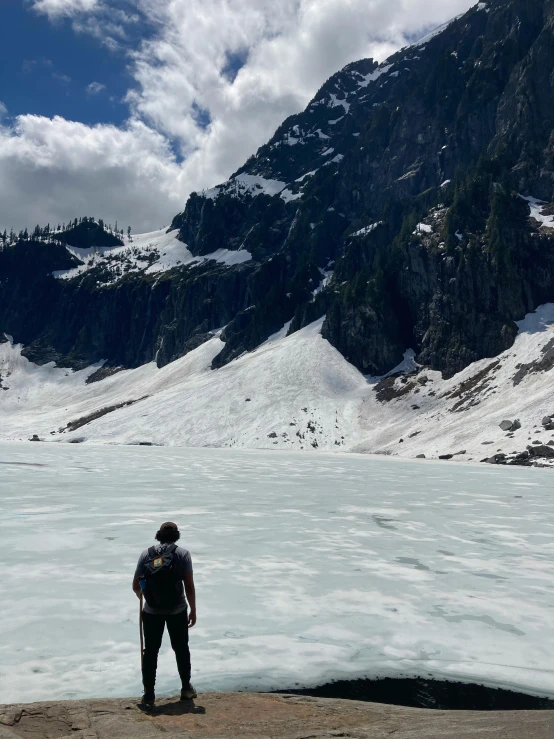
(161,573)
(182,566)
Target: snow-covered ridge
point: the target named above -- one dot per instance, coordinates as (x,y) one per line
(294,392)
(149,253)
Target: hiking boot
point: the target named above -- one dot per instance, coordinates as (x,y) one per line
(148,699)
(188,693)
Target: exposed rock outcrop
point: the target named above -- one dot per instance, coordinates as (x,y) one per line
(262,716)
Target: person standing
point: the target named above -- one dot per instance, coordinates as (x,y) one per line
(161,572)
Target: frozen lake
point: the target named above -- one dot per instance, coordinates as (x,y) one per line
(309,567)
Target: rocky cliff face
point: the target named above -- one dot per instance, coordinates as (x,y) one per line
(402,204)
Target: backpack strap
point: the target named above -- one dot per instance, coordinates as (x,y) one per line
(171,549)
(152,552)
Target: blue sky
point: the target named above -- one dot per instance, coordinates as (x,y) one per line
(121,108)
(47,67)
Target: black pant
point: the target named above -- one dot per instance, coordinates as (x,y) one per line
(177,627)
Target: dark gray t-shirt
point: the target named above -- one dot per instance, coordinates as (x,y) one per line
(183,562)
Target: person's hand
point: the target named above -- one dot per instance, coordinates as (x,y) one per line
(192,617)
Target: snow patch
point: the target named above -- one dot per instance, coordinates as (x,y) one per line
(288,196)
(326,276)
(407,366)
(367,229)
(538,322)
(256,185)
(536,207)
(246,184)
(308,174)
(334,102)
(372,76)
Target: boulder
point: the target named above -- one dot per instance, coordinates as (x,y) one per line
(547,420)
(541,451)
(497,459)
(446,456)
(510,425)
(520,463)
(421,456)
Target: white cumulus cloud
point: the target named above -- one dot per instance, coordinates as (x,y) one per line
(52,170)
(212,81)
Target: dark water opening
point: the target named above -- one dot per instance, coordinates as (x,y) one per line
(426,693)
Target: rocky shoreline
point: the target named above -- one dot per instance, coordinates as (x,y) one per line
(263,716)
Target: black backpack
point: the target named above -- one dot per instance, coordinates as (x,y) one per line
(163,587)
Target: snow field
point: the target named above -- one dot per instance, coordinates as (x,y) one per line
(294,392)
(308,568)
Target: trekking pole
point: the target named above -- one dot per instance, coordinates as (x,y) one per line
(141,633)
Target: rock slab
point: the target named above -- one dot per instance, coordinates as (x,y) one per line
(262,716)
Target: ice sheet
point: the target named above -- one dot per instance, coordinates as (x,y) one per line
(308,568)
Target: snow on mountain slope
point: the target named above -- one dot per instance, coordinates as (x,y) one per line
(246,184)
(294,392)
(157,251)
